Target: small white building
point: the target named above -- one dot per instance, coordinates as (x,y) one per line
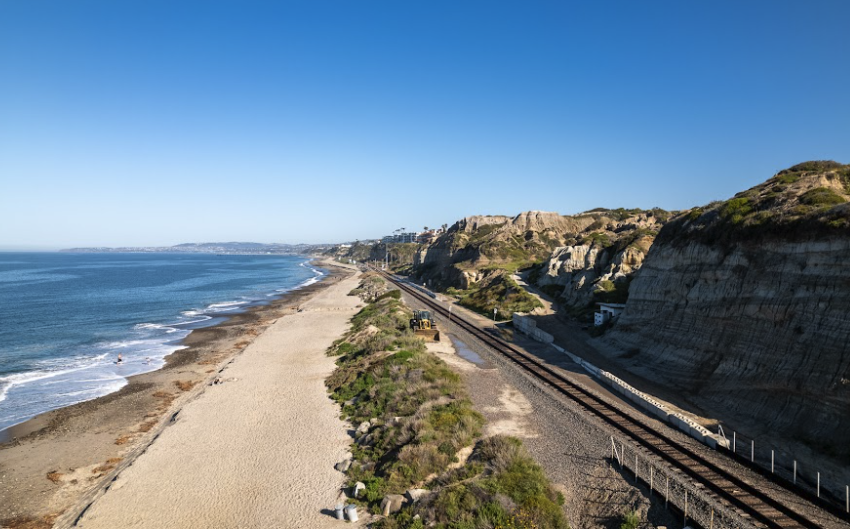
(607,312)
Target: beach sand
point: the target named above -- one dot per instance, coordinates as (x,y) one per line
(257,450)
(60,460)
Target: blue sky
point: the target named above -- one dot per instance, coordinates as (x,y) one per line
(159,122)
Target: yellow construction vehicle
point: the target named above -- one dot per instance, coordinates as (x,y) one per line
(422,325)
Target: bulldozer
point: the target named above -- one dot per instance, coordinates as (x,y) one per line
(422,325)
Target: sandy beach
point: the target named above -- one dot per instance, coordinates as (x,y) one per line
(258,449)
(58,461)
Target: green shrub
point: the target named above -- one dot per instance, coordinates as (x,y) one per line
(736,209)
(599,239)
(631,520)
(813,166)
(392,294)
(787,178)
(345,348)
(374,490)
(553,291)
(606,285)
(844,176)
(821,197)
(695,213)
(611,292)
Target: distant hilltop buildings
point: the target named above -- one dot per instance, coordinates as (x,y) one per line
(422,237)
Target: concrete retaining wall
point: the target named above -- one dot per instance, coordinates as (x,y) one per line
(657,409)
(528,326)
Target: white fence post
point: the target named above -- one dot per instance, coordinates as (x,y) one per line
(795,472)
(752,450)
(651,475)
(818,484)
(771,461)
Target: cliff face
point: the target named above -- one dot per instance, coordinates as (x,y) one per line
(744,306)
(599,260)
(458,257)
(576,252)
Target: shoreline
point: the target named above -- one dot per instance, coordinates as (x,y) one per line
(48,462)
(28,426)
(255,447)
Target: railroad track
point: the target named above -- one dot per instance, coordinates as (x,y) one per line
(762,510)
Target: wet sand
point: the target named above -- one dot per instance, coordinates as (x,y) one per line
(57,459)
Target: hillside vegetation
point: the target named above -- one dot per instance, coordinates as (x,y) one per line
(804,201)
(415,425)
(578,260)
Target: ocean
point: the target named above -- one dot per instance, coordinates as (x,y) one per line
(65,317)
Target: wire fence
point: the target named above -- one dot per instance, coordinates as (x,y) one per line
(689,501)
(822,488)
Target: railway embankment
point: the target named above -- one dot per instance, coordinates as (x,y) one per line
(716,484)
(420,456)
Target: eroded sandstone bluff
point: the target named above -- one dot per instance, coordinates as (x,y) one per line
(744,306)
(571,255)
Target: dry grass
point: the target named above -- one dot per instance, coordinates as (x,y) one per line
(146,426)
(114,460)
(124,439)
(184,385)
(55,476)
(102,469)
(45,522)
(166,400)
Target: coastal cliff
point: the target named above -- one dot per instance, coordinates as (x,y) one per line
(576,259)
(742,305)
(598,263)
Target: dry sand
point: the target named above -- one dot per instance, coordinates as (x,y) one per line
(54,464)
(257,450)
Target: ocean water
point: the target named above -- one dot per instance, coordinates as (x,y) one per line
(64,318)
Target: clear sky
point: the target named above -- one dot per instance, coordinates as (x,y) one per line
(155,122)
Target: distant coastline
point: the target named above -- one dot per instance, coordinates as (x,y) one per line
(223,248)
